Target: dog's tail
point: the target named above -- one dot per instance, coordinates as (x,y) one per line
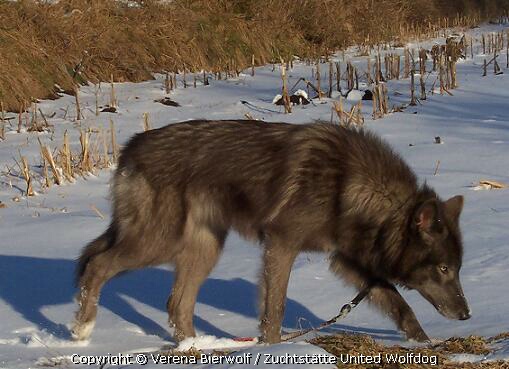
(100,244)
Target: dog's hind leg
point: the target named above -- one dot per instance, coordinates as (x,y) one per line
(278,261)
(98,270)
(387,298)
(200,251)
(170,308)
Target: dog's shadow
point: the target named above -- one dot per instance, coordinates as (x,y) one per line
(29,284)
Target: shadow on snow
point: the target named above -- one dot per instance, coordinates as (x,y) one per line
(29,284)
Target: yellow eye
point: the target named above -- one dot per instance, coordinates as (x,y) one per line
(444,269)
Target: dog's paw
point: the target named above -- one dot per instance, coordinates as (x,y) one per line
(82,331)
(418,336)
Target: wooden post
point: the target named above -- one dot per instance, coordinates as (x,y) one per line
(205,78)
(452,71)
(379,100)
(447,72)
(2,120)
(407,64)
(386,99)
(167,83)
(330,79)
(495,64)
(97,89)
(286,98)
(412,86)
(423,57)
(423,87)
(507,51)
(368,71)
(78,109)
(387,72)
(20,117)
(113,98)
(338,76)
(397,66)
(379,75)
(114,147)
(375,101)
(318,78)
(441,73)
(146,122)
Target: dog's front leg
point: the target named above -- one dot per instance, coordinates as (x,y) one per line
(389,300)
(385,296)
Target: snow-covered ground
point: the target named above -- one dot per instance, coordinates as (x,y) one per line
(41,236)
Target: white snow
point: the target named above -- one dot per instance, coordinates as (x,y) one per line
(212,343)
(277,98)
(302,93)
(500,353)
(355,95)
(46,339)
(41,236)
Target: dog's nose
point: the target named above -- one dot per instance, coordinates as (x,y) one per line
(465,315)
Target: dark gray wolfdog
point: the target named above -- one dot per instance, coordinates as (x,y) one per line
(314,187)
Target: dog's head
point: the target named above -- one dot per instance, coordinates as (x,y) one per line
(434,256)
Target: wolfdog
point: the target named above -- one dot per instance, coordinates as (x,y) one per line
(179,189)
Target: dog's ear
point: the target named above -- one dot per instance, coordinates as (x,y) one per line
(453,207)
(426,216)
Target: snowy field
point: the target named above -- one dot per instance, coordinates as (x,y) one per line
(41,236)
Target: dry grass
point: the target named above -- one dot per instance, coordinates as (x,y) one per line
(98,150)
(73,41)
(472,344)
(354,344)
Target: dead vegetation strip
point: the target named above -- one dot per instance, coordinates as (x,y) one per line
(355,344)
(51,46)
